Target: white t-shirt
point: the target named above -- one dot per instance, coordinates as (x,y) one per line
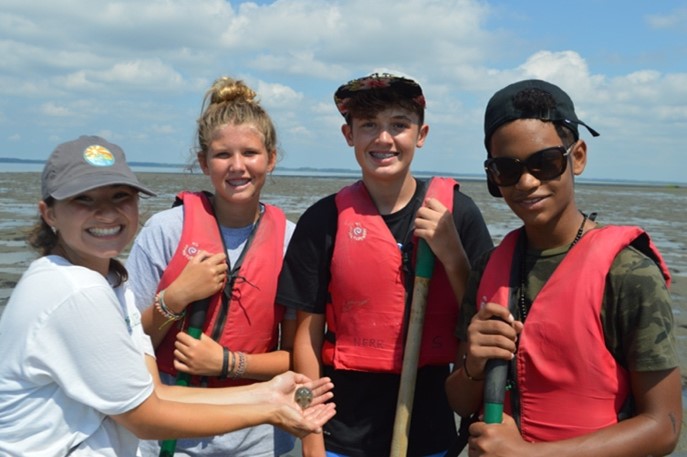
(72,355)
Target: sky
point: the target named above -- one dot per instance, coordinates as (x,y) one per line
(136,73)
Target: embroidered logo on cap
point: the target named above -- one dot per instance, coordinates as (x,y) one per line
(98,156)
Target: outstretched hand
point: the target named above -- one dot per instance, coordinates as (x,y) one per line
(293,419)
(283,389)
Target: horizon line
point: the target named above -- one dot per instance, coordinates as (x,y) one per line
(356,172)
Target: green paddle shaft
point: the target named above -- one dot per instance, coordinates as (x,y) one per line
(495,390)
(195,329)
(424,265)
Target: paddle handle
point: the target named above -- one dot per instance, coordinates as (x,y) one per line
(196,319)
(424,267)
(495,390)
(424,262)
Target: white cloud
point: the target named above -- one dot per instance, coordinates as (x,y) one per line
(108,134)
(52,109)
(163,129)
(298,63)
(139,70)
(278,95)
(151,73)
(674,19)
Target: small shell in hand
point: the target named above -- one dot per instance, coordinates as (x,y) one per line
(303,397)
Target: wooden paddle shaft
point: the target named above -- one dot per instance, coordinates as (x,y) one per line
(411,356)
(424,267)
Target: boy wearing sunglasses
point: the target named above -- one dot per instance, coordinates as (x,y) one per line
(349,272)
(580,311)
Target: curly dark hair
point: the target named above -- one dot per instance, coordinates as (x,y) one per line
(538,103)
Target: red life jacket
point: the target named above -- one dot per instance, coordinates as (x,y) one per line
(568,382)
(368,295)
(249,321)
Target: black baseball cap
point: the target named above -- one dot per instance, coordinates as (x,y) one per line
(502,109)
(84,164)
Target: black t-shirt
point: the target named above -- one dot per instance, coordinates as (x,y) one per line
(366,402)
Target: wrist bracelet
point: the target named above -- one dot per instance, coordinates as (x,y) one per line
(233,364)
(225,363)
(162,308)
(467,373)
(241,368)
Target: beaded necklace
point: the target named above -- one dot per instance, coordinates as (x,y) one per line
(523,275)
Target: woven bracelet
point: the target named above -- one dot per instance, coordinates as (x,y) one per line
(162,308)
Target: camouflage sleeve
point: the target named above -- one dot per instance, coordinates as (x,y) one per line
(637,314)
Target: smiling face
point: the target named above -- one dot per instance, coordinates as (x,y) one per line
(94,226)
(385,144)
(237,163)
(547,208)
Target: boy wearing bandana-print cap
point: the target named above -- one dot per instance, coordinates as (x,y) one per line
(349,273)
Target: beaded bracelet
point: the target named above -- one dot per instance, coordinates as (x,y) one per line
(161,306)
(241,369)
(467,373)
(233,364)
(235,371)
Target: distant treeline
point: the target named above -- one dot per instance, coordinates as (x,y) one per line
(136,164)
(310,171)
(181,165)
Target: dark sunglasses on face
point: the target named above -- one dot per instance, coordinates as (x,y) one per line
(544,165)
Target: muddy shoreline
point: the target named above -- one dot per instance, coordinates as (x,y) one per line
(658,210)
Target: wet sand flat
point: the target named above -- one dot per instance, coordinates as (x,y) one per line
(658,209)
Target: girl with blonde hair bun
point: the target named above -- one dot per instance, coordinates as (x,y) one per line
(224,247)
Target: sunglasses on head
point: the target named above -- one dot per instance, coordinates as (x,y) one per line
(544,165)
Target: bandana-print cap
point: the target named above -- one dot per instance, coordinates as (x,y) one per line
(378,81)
